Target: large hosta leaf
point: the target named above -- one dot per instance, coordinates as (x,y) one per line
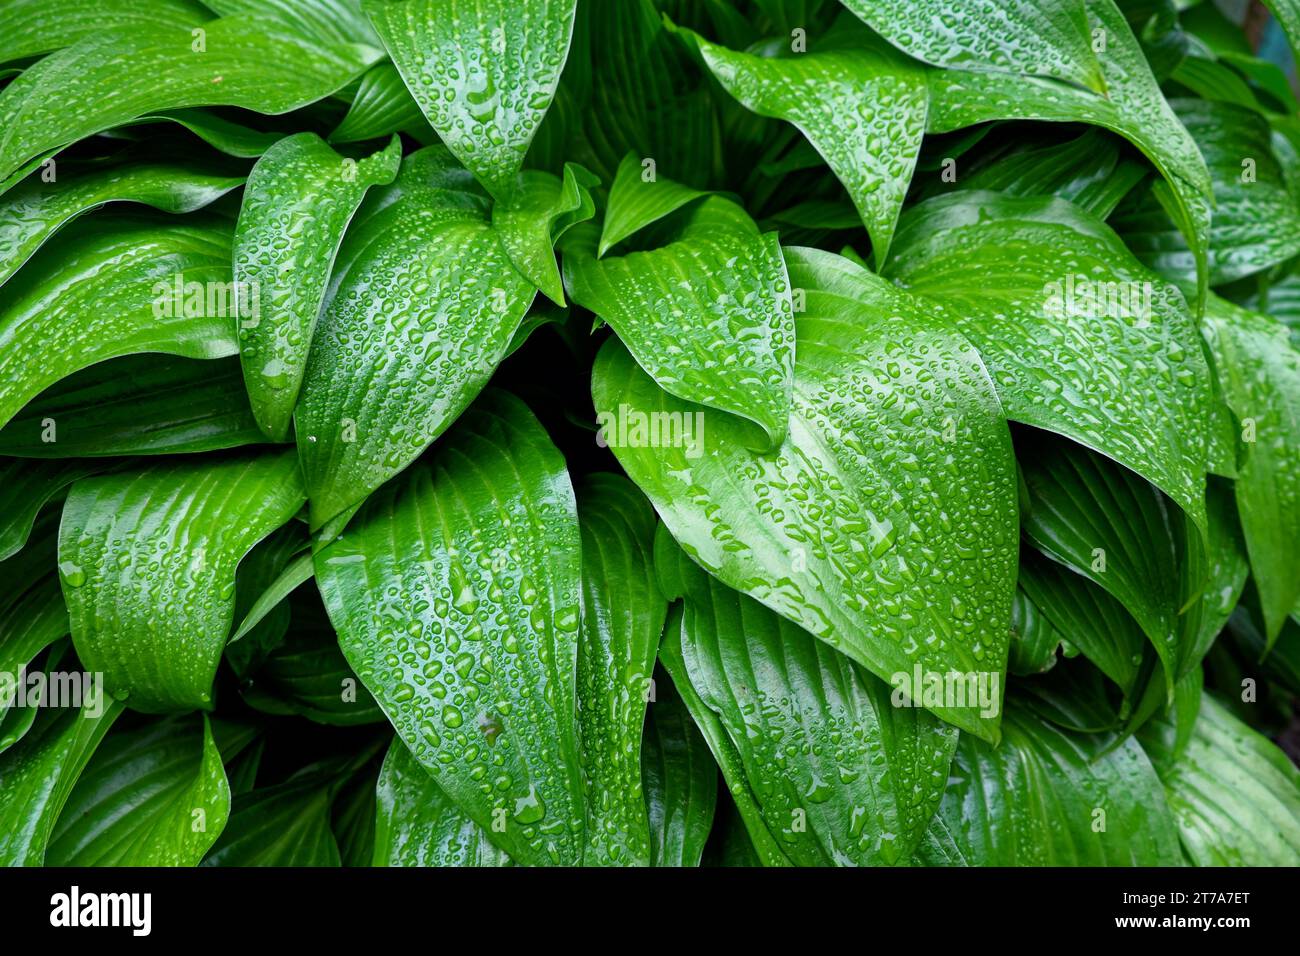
(1133,107)
(112,76)
(1235,796)
(841,775)
(38,773)
(425,305)
(299,199)
(1047,797)
(147,560)
(1080,338)
(709,315)
(622,618)
(136,405)
(419,825)
(31,27)
(860,104)
(108,290)
(1043,37)
(1256,220)
(885,524)
(1260,374)
(455,593)
(483,71)
(679,778)
(32,212)
(153,796)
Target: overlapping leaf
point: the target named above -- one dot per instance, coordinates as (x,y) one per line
(839,773)
(300,197)
(253,63)
(110,289)
(455,593)
(153,796)
(147,560)
(425,305)
(622,618)
(483,72)
(709,316)
(1079,337)
(885,524)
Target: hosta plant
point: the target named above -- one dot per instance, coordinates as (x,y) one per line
(647,432)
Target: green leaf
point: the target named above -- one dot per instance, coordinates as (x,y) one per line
(1256,220)
(679,778)
(108,289)
(221,134)
(136,405)
(1086,170)
(147,561)
(1223,573)
(300,197)
(762,845)
(455,593)
(886,523)
(1260,375)
(540,210)
(484,73)
(254,64)
(25,488)
(263,617)
(1037,37)
(1235,796)
(1133,107)
(284,825)
(38,773)
(1116,367)
(353,817)
(153,796)
(622,617)
(297,572)
(635,201)
(841,773)
(32,621)
(419,825)
(862,105)
(709,315)
(1086,616)
(381,107)
(33,211)
(1046,797)
(32,27)
(322,21)
(631,85)
(1108,525)
(18,719)
(306,674)
(1034,640)
(425,305)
